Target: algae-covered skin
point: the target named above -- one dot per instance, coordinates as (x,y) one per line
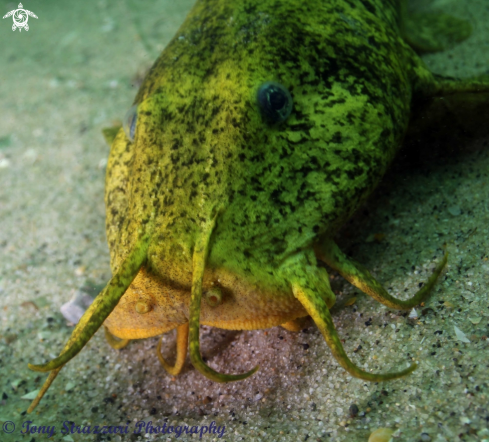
(214,188)
(205,145)
(279,186)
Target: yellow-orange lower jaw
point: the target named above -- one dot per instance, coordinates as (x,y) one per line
(151,307)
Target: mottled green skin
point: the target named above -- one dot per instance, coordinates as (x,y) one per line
(203,143)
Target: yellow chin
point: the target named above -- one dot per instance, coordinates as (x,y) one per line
(152,306)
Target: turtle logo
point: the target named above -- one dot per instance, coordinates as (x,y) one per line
(20,17)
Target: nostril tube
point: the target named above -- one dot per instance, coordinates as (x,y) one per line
(213,297)
(143,307)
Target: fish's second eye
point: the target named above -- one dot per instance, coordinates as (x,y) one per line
(130,120)
(275,102)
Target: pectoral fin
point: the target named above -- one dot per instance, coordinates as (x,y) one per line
(432,31)
(110,133)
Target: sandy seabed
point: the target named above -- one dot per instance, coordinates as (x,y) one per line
(74,73)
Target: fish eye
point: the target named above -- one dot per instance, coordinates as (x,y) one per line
(129,122)
(275,102)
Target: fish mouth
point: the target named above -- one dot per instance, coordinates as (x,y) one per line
(228,302)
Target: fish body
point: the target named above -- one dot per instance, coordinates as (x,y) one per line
(278,187)
(255,136)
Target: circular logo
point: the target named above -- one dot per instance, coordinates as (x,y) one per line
(20,17)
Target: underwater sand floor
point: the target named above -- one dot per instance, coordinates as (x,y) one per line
(74,73)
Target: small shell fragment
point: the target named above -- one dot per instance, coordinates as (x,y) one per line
(73,310)
(80,271)
(413,314)
(4,163)
(31,395)
(381,435)
(15,384)
(460,335)
(454,210)
(475,321)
